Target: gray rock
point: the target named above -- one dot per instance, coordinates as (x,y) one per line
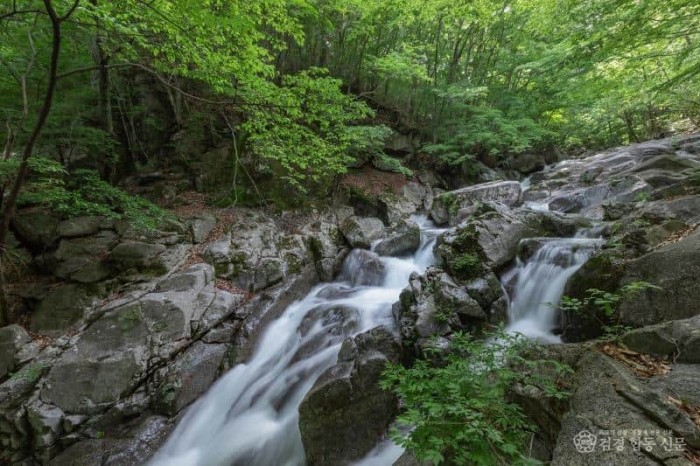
(675,268)
(678,340)
(527,163)
(447,205)
(667,163)
(220,308)
(12,338)
(218,252)
(628,188)
(84,386)
(118,348)
(130,447)
(346,413)
(138,255)
(36,229)
(485,290)
(433,305)
(200,227)
(261,254)
(325,243)
(63,307)
(46,423)
(223,333)
(189,376)
(362,232)
(617,402)
(401,239)
(82,259)
(646,149)
(194,278)
(493,236)
(363,268)
(79,226)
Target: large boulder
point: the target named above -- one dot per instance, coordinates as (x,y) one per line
(527,162)
(63,307)
(675,268)
(678,340)
(81,385)
(433,305)
(361,232)
(188,377)
(446,206)
(138,255)
(200,226)
(133,444)
(612,415)
(79,226)
(493,237)
(401,239)
(258,252)
(121,347)
(81,259)
(346,413)
(587,199)
(36,229)
(324,242)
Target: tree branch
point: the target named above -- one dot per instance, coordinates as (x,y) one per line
(69,12)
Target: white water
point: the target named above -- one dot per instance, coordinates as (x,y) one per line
(249,417)
(540,284)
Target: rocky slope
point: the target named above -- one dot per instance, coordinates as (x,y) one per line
(132,333)
(128,328)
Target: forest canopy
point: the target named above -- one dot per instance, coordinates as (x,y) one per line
(305,88)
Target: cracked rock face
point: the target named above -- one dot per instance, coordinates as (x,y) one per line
(161,342)
(93,372)
(258,253)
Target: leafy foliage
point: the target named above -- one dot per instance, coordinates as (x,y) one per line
(84,193)
(366,142)
(303,128)
(607,303)
(458,409)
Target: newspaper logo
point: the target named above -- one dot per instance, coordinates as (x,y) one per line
(585,442)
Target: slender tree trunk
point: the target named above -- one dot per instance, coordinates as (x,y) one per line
(8,208)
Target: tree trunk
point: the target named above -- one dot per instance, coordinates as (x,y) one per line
(10,204)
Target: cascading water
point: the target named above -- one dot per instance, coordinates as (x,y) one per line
(539,281)
(539,285)
(250,416)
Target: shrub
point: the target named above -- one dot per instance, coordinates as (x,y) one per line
(86,194)
(459,410)
(605,303)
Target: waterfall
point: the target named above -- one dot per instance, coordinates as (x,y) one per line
(250,415)
(540,282)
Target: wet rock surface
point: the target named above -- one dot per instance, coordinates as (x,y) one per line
(346,412)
